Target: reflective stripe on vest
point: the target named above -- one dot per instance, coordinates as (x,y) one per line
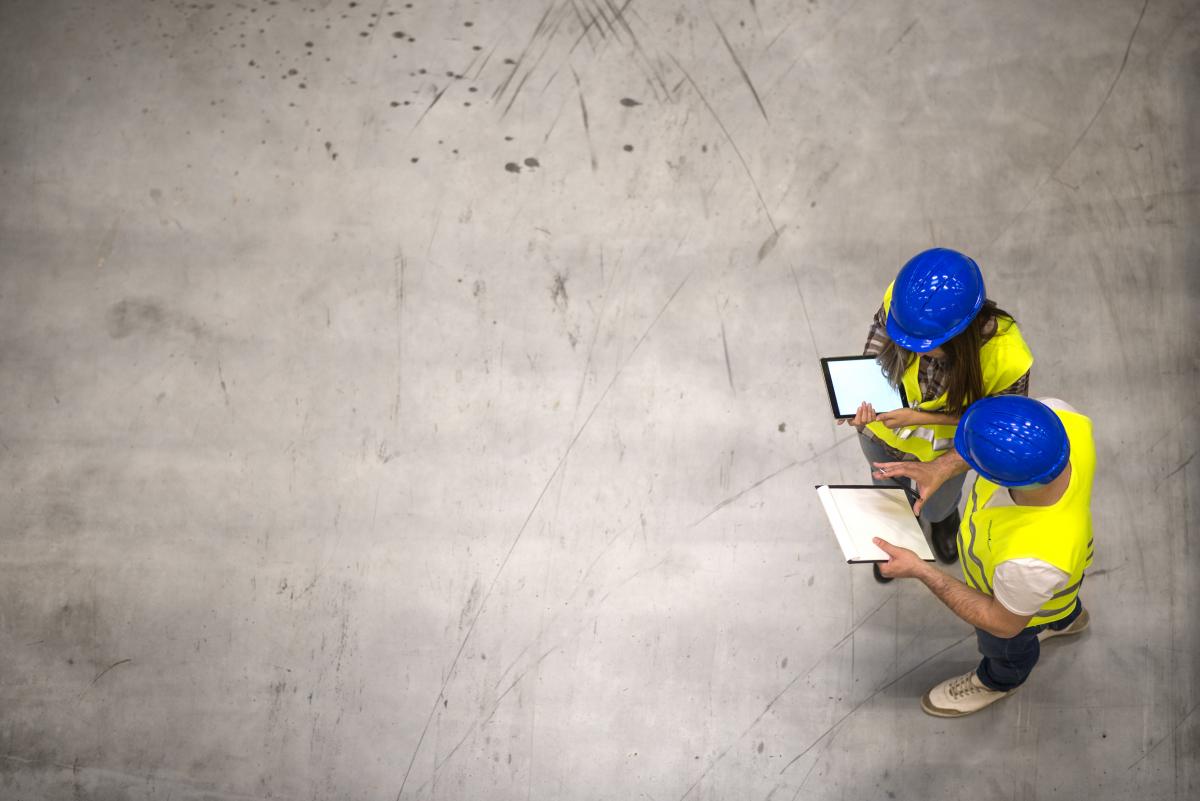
(1002,360)
(1060,535)
(978,578)
(930,435)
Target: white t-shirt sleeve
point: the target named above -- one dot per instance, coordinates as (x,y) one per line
(1059,405)
(1023,586)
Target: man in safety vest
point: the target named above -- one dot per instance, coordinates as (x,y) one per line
(1024,543)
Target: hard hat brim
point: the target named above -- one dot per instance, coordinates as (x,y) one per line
(919,344)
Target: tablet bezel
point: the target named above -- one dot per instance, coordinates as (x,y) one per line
(833,395)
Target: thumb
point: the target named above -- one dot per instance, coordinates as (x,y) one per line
(885,546)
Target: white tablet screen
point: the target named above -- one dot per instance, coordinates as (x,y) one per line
(853,381)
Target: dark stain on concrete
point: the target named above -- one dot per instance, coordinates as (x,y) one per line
(558,291)
(135,315)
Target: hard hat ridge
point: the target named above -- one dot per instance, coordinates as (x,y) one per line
(936,295)
(1013,441)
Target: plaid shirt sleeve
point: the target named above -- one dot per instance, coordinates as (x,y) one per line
(1018,387)
(877,337)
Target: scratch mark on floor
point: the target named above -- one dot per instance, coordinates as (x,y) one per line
(725,346)
(557,115)
(1164,739)
(587,128)
(738,62)
(630,578)
(516,93)
(582,582)
(1079,139)
(871,697)
(732,143)
(429,108)
(524,525)
(775,38)
(1177,469)
(584,25)
(911,25)
(653,71)
(378,15)
(587,366)
(486,59)
(604,17)
(557,646)
(499,92)
(103,673)
(768,477)
(769,244)
(812,335)
(553,28)
(795,680)
(475,726)
(221,379)
(437,221)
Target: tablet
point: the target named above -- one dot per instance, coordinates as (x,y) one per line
(854,379)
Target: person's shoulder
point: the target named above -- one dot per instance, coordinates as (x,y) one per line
(1060,405)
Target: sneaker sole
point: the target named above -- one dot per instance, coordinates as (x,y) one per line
(936,711)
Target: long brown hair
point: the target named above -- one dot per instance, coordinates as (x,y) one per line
(965,375)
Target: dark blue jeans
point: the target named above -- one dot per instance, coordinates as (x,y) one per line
(1007,662)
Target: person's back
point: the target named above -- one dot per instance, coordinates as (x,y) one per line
(1034,553)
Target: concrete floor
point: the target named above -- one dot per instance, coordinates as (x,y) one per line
(421,401)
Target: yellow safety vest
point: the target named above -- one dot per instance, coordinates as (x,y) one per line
(1060,534)
(1003,359)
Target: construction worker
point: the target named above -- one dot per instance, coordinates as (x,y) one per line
(1025,542)
(937,335)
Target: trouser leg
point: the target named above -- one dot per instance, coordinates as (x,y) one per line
(1007,661)
(944,502)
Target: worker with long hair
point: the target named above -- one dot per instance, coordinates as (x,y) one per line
(939,336)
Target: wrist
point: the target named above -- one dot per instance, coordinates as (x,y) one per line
(927,574)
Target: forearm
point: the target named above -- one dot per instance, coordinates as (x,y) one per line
(971,605)
(950,464)
(937,418)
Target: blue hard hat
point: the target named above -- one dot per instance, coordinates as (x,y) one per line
(936,295)
(1012,440)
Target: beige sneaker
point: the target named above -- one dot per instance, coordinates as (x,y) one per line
(960,696)
(1077,626)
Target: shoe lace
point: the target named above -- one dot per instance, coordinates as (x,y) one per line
(963,686)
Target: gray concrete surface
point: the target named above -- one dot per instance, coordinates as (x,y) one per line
(420,400)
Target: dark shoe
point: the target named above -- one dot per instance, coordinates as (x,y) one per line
(944,535)
(882,579)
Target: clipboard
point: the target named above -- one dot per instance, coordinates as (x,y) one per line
(858,512)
